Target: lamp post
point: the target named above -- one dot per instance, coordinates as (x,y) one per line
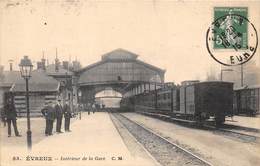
(26,69)
(79,102)
(242,76)
(221,73)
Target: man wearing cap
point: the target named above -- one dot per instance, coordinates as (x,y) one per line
(11,115)
(49,114)
(67,116)
(59,115)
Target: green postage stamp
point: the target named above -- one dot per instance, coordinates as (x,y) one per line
(231,39)
(231,28)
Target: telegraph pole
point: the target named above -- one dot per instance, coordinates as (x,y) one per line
(242,76)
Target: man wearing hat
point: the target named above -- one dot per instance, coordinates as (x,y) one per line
(59,115)
(67,116)
(11,115)
(50,115)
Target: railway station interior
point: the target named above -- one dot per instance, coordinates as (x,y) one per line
(120,103)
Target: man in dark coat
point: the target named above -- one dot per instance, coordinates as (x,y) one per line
(10,114)
(50,115)
(67,116)
(3,116)
(59,115)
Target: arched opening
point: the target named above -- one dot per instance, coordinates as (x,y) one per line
(108,98)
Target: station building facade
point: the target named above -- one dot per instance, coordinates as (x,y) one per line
(47,83)
(119,70)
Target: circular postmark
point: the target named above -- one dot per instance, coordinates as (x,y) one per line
(232,40)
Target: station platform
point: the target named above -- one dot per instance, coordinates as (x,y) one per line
(94,140)
(244,124)
(245,121)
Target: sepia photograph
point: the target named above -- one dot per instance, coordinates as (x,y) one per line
(129,83)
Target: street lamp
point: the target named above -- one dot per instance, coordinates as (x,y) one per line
(79,102)
(26,69)
(221,73)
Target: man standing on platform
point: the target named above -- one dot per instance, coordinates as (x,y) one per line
(50,115)
(59,115)
(10,114)
(67,116)
(94,108)
(3,116)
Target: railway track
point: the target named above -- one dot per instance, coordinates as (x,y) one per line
(247,138)
(163,150)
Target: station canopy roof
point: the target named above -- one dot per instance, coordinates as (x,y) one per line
(119,66)
(119,54)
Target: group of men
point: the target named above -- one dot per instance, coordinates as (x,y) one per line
(55,111)
(51,112)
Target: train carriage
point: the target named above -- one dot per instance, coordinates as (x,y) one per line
(164,99)
(196,101)
(145,101)
(168,99)
(247,100)
(207,99)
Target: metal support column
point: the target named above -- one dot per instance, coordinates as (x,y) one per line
(29,132)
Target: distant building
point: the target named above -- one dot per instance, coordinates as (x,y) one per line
(7,79)
(44,85)
(48,82)
(1,73)
(76,65)
(42,89)
(63,73)
(211,74)
(250,75)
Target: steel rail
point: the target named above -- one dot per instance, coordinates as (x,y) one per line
(158,115)
(168,141)
(133,137)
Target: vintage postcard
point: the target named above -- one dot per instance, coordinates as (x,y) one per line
(129,82)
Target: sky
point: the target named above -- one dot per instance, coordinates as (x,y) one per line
(168,34)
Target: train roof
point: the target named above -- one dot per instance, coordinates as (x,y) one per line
(248,87)
(216,82)
(206,82)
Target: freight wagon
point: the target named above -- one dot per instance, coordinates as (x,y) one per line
(247,100)
(203,100)
(195,101)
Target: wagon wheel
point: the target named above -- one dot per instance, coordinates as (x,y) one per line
(219,120)
(199,120)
